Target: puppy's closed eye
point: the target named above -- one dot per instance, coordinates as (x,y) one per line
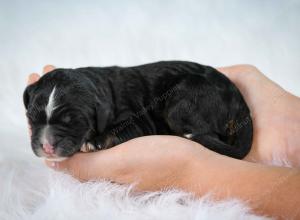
(66,119)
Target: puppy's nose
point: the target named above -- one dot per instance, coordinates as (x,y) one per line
(48,148)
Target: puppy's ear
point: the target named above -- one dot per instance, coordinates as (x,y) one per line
(103,115)
(27,95)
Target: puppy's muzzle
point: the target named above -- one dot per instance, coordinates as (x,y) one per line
(48,149)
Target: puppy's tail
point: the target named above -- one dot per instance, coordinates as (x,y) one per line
(236,143)
(241,135)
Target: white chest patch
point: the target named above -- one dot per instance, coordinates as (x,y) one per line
(51,104)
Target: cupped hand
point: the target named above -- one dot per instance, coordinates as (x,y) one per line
(156,162)
(275,113)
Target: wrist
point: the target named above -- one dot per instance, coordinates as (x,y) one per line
(218,175)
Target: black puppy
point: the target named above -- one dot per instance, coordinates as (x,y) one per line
(95,108)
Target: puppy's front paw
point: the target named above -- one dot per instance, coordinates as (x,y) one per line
(87,147)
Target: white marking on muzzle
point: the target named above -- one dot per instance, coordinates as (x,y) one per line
(45,132)
(51,104)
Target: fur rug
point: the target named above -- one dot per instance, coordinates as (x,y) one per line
(100,33)
(30,191)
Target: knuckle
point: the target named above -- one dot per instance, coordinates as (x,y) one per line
(48,66)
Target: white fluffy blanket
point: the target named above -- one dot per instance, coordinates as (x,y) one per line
(31,191)
(83,33)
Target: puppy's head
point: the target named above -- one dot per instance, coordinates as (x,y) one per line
(62,113)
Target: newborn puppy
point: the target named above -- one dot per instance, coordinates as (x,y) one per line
(93,108)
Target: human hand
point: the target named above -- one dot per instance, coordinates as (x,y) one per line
(275,113)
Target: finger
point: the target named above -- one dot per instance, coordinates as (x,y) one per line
(48,68)
(85,166)
(32,78)
(222,69)
(237,69)
(232,69)
(79,166)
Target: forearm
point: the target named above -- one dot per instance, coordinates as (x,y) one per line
(272,191)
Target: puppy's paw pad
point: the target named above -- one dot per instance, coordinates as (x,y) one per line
(87,147)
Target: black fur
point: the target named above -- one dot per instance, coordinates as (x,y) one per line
(110,105)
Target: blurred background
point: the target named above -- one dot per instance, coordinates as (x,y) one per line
(264,33)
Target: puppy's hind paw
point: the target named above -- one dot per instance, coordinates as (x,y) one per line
(87,147)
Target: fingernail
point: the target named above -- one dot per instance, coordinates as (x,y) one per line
(52,164)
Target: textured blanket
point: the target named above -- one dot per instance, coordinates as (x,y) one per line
(29,190)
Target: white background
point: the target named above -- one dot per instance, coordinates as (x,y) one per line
(265,33)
